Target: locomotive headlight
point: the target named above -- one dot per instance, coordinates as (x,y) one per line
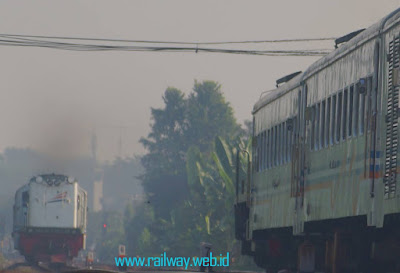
(39,179)
(71,179)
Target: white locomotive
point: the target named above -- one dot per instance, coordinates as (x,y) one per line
(50,219)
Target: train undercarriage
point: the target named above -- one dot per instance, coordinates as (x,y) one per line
(345,246)
(54,248)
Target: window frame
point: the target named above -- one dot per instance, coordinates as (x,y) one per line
(322,124)
(356,105)
(317,118)
(344,114)
(339,106)
(312,133)
(350,112)
(333,119)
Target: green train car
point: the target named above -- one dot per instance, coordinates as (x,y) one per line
(323,193)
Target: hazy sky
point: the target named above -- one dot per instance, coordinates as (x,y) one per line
(48,95)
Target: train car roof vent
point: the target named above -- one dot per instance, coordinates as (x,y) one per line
(287,78)
(347,37)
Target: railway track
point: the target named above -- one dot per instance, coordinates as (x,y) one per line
(25,267)
(28,268)
(39,268)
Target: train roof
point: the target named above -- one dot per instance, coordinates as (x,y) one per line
(278,92)
(327,60)
(52,179)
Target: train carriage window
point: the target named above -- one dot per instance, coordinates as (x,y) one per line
(344,117)
(258,151)
(322,128)
(362,113)
(278,139)
(264,148)
(256,154)
(328,121)
(25,198)
(276,146)
(369,103)
(351,101)
(356,102)
(293,136)
(281,144)
(289,148)
(290,141)
(339,116)
(282,161)
(317,126)
(272,146)
(286,141)
(284,146)
(312,144)
(333,122)
(267,149)
(271,150)
(262,151)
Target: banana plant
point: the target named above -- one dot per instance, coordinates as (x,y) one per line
(211,182)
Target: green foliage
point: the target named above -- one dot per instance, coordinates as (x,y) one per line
(189,175)
(121,182)
(137,218)
(209,116)
(105,240)
(183,123)
(3,262)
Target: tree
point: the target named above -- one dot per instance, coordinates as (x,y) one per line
(209,116)
(121,183)
(212,188)
(182,139)
(165,143)
(164,162)
(182,123)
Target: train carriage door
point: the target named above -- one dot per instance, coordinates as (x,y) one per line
(298,159)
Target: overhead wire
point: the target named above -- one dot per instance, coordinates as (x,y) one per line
(169,42)
(51,42)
